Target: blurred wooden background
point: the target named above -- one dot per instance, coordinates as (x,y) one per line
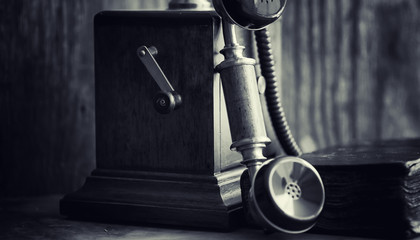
(47,141)
(349,72)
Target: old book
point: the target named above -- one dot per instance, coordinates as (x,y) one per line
(372,188)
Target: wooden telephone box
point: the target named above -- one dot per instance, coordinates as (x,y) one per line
(173,168)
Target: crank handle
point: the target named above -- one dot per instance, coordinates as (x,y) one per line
(167,99)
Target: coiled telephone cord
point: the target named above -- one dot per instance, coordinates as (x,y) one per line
(272,94)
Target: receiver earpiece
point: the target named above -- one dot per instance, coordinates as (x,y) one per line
(252,15)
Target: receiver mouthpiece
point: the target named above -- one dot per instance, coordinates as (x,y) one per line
(287,195)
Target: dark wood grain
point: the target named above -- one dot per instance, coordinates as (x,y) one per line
(153,167)
(46,100)
(131,134)
(188,200)
(46,93)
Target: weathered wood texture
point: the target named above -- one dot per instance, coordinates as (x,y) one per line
(37,218)
(46,92)
(130,133)
(350,70)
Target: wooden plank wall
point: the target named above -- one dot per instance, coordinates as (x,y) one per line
(349,70)
(46,92)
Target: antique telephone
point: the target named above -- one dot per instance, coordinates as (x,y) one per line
(163,140)
(286,194)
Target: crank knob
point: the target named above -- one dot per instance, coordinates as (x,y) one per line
(166,102)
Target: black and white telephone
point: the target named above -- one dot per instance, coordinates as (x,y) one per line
(163,141)
(284,193)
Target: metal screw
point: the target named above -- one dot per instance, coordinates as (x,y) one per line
(162,102)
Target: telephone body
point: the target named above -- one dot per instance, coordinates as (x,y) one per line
(175,168)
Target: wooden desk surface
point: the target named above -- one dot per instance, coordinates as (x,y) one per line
(39,218)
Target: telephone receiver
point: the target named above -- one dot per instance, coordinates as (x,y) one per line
(284,193)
